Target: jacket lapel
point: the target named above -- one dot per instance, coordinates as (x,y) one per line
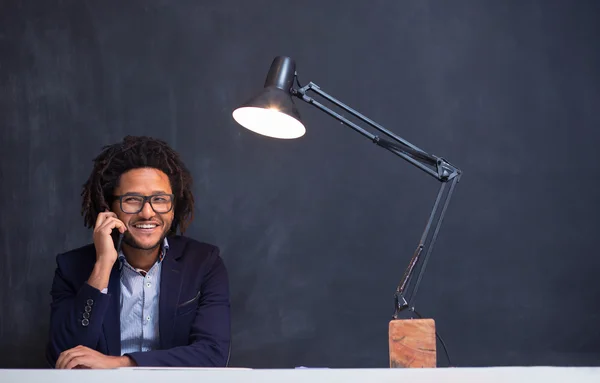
(112,319)
(170,287)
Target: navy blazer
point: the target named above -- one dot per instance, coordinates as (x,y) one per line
(194,312)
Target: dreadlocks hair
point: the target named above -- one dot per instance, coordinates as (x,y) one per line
(132,153)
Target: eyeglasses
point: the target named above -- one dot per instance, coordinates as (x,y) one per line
(134,203)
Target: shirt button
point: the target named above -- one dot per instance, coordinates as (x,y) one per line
(148,284)
(148,317)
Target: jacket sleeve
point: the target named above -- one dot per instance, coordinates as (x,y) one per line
(210,331)
(76,314)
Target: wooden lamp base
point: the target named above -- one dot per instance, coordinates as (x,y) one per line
(412,343)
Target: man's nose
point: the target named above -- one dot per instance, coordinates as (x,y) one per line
(147,211)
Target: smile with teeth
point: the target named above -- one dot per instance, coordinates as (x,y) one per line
(145,226)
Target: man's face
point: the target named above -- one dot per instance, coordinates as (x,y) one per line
(146,229)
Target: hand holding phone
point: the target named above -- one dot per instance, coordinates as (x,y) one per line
(106,248)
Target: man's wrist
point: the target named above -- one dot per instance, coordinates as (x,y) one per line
(103,265)
(100,275)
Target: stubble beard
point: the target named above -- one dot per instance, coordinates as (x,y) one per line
(131,242)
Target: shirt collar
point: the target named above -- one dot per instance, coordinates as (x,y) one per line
(163,252)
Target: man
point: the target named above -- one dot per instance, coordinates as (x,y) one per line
(140,295)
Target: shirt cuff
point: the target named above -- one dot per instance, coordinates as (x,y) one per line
(104,290)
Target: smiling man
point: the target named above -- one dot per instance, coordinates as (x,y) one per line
(140,294)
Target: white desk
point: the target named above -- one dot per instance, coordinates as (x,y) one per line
(446,375)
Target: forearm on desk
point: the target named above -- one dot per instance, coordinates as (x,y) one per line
(70,326)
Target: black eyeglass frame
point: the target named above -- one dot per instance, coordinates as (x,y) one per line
(146,198)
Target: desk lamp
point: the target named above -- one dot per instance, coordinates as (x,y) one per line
(273,113)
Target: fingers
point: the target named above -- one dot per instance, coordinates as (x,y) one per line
(103,216)
(67,356)
(109,224)
(78,360)
(82,357)
(61,359)
(59,362)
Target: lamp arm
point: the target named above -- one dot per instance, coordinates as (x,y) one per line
(315,88)
(401,302)
(432,165)
(435,166)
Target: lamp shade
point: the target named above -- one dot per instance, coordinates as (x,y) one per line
(272,112)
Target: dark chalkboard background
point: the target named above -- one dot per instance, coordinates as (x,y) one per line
(317,231)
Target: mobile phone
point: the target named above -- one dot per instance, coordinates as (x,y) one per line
(117,239)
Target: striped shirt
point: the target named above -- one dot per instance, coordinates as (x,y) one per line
(140,292)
